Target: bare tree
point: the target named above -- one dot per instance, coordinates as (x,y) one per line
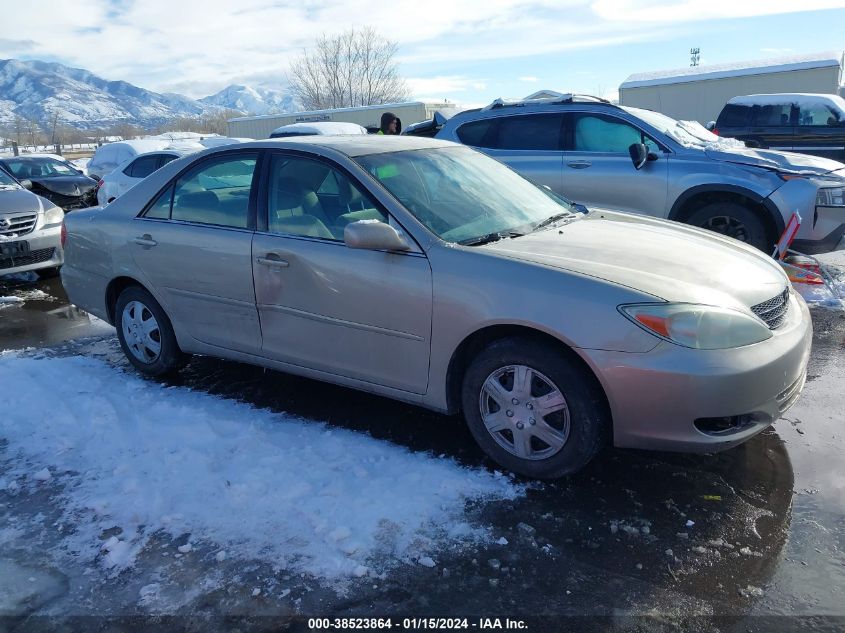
(354,68)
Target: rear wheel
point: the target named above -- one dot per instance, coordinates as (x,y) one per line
(532,409)
(145,333)
(733,220)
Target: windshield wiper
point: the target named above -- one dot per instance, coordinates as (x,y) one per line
(490,237)
(551,220)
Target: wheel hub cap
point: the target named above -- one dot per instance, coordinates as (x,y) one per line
(524,412)
(141,332)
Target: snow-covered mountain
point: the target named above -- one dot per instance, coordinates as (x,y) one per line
(252,99)
(38,90)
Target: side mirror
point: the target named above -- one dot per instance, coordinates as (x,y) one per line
(640,155)
(374,235)
(26,183)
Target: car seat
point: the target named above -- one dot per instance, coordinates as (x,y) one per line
(294,209)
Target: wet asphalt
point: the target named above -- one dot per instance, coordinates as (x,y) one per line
(752,539)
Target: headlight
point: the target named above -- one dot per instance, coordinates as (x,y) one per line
(831,197)
(54,215)
(698,326)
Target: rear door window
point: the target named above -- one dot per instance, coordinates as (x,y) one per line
(217,191)
(773,115)
(142,167)
(532,132)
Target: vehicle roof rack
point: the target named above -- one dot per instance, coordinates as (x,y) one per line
(564,98)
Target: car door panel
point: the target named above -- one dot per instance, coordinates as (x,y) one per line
(205,274)
(198,252)
(598,170)
(356,313)
(362,314)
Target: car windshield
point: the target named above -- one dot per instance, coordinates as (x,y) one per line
(40,168)
(687,133)
(462,195)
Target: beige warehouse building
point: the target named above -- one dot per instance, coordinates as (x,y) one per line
(698,93)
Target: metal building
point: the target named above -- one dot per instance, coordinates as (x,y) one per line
(368,116)
(698,93)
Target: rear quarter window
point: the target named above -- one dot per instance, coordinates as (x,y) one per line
(478,133)
(734,116)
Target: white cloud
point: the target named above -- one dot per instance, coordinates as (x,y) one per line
(200,46)
(657,11)
(444,85)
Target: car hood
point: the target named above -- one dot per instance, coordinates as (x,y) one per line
(19,201)
(66,185)
(776,161)
(667,260)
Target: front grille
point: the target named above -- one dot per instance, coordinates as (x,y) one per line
(773,311)
(32,257)
(20,224)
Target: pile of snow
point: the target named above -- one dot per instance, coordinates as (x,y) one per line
(138,456)
(23,296)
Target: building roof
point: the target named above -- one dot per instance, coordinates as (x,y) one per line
(735,69)
(382,106)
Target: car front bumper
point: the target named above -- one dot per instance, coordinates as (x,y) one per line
(45,251)
(657,398)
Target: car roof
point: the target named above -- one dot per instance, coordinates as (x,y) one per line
(28,157)
(780,97)
(322,127)
(351,145)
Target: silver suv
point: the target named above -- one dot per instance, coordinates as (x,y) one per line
(602,155)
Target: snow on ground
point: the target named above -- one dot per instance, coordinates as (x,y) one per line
(832,295)
(134,458)
(23,296)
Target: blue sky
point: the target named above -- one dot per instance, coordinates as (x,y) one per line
(469,51)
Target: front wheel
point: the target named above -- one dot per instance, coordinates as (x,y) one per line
(733,220)
(533,410)
(145,333)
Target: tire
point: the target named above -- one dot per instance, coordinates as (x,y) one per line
(48,273)
(145,333)
(733,220)
(580,424)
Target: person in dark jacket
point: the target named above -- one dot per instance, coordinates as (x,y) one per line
(390,124)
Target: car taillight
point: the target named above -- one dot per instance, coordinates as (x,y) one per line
(64,235)
(100,183)
(714,130)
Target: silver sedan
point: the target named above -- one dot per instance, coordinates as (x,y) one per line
(427,272)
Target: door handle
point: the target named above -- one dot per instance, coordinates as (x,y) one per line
(579,164)
(272,262)
(145,240)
